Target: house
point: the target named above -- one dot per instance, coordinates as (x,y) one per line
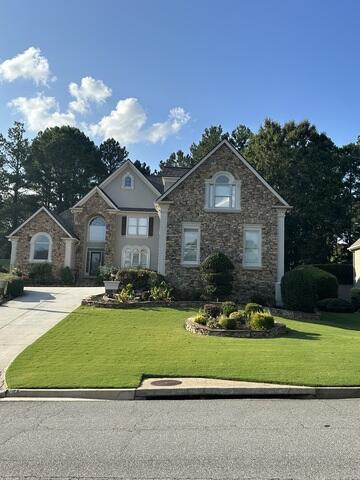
(168,222)
(355,249)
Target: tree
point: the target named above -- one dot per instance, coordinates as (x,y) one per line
(177,159)
(143,167)
(209,139)
(62,166)
(241,137)
(112,154)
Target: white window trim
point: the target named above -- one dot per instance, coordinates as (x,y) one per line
(127,174)
(137,227)
(210,189)
(183,227)
(88,230)
(132,247)
(32,249)
(254,228)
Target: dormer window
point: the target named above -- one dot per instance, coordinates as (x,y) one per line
(127,181)
(222,193)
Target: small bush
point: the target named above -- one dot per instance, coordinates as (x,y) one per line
(106,273)
(216,275)
(239,316)
(298,291)
(201,319)
(187,294)
(211,310)
(227,322)
(262,300)
(228,307)
(41,274)
(335,305)
(66,276)
(261,321)
(140,278)
(251,308)
(161,292)
(355,298)
(15,288)
(326,284)
(213,323)
(127,293)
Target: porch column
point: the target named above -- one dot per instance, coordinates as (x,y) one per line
(162,209)
(14,244)
(280,254)
(69,252)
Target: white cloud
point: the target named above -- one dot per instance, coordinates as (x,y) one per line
(41,112)
(89,90)
(127,124)
(30,65)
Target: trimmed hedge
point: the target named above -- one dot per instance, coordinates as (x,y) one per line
(15,286)
(344,272)
(41,274)
(326,284)
(355,298)
(216,275)
(141,279)
(298,290)
(335,305)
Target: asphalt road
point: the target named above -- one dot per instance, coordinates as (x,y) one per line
(198,439)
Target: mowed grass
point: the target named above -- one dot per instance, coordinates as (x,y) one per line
(96,347)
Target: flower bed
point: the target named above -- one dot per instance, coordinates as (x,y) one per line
(277,330)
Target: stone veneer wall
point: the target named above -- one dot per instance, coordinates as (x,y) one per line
(224,231)
(40,223)
(94,206)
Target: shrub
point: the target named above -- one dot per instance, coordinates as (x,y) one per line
(140,278)
(41,274)
(344,272)
(106,273)
(251,308)
(213,323)
(262,300)
(216,275)
(261,321)
(355,298)
(239,316)
(227,322)
(326,285)
(66,276)
(161,292)
(187,294)
(15,287)
(200,318)
(211,310)
(228,307)
(335,305)
(127,293)
(298,291)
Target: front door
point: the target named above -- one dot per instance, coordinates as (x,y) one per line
(95,263)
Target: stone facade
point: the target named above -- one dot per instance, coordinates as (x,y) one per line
(42,222)
(224,231)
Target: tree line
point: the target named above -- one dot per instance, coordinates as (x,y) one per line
(319,179)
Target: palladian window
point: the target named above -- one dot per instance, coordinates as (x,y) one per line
(134,256)
(97,230)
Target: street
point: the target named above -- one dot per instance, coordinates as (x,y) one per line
(192,439)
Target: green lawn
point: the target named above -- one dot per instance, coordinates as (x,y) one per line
(96,347)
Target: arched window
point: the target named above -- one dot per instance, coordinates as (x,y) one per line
(223,192)
(97,230)
(40,248)
(127,181)
(134,256)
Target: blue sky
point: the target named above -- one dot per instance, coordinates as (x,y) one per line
(201,62)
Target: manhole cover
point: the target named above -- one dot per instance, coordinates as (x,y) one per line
(165,383)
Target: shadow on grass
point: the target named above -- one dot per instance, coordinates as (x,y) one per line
(298,335)
(346,321)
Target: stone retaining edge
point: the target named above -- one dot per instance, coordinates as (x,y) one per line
(85,393)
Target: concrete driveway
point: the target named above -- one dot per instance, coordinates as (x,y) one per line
(26,318)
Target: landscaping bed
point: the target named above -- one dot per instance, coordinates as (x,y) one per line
(276,331)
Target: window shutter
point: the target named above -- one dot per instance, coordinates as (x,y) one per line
(123,225)
(151,226)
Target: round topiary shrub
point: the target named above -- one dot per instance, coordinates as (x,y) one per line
(216,275)
(228,307)
(251,308)
(261,321)
(326,284)
(298,290)
(355,298)
(200,318)
(335,305)
(227,322)
(239,316)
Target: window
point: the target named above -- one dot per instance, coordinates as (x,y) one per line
(97,230)
(134,256)
(127,181)
(40,248)
(137,226)
(190,244)
(252,246)
(222,192)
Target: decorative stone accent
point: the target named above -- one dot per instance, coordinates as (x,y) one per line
(193,327)
(224,231)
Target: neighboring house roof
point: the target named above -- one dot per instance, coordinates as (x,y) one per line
(173,171)
(240,157)
(156,180)
(355,246)
(54,217)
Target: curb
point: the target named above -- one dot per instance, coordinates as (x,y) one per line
(337,392)
(3,393)
(85,393)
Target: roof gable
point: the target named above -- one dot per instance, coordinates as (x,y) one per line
(355,246)
(240,157)
(52,216)
(92,192)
